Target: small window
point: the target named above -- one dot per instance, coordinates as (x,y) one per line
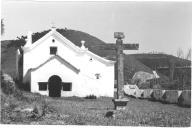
(53,40)
(66,86)
(42,86)
(97,75)
(53,50)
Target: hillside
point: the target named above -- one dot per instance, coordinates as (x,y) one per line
(133,62)
(152,60)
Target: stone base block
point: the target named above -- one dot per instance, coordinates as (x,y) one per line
(120,104)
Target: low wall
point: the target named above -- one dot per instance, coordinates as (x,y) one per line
(157,94)
(147,93)
(180,97)
(185,98)
(170,96)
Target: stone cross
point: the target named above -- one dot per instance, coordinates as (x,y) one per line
(119,47)
(119,101)
(120,61)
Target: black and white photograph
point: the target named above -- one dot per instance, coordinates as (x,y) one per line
(96,63)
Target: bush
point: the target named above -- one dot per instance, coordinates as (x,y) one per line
(145,85)
(7,84)
(157,86)
(171,85)
(91,97)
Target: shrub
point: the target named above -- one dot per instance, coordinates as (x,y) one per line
(157,86)
(91,97)
(7,84)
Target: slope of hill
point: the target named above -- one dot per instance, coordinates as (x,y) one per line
(182,76)
(152,60)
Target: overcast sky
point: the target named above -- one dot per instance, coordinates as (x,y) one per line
(156,26)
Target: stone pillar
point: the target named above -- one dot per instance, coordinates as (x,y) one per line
(120,65)
(120,70)
(120,102)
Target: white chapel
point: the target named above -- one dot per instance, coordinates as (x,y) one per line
(56,67)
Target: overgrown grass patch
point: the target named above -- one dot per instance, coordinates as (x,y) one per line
(137,113)
(19,107)
(80,111)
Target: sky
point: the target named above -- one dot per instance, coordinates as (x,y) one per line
(156,26)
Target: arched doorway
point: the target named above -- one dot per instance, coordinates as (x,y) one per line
(54,86)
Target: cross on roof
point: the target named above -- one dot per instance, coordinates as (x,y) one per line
(53,25)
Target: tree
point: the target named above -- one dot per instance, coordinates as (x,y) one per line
(2,27)
(180,53)
(188,56)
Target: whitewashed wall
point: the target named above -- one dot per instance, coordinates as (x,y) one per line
(83,84)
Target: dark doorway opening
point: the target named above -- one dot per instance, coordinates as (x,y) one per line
(54,86)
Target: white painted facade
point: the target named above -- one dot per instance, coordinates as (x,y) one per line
(71,63)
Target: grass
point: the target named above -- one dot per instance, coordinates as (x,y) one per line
(81,111)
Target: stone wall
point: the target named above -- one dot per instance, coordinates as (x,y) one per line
(180,97)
